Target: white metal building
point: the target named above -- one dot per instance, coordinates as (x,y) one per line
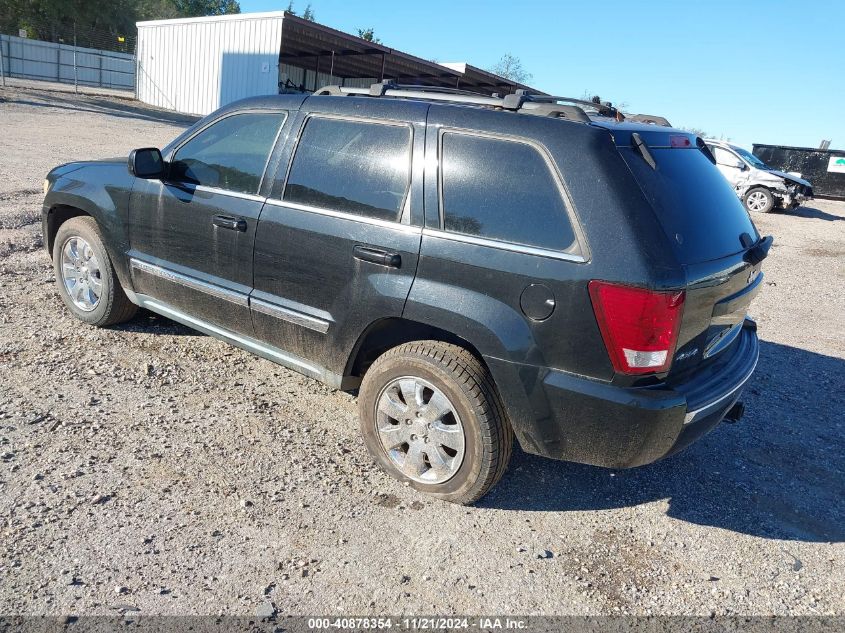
(196,65)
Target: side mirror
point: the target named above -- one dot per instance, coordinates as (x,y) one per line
(740,165)
(146,163)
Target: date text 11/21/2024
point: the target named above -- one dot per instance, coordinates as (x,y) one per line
(418,623)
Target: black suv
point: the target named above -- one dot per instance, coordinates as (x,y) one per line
(478,267)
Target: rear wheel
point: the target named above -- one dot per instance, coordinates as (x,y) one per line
(430,417)
(759,200)
(85,276)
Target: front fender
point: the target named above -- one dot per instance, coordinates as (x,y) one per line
(100,190)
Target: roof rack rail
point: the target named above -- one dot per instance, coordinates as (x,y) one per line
(572,113)
(520,101)
(433,93)
(648,118)
(602,108)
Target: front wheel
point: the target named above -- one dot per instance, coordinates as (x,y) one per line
(759,200)
(431,418)
(85,276)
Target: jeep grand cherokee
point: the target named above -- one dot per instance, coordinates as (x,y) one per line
(478,267)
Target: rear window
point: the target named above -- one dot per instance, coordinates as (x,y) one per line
(352,166)
(697,207)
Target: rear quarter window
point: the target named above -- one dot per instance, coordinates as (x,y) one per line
(699,210)
(502,190)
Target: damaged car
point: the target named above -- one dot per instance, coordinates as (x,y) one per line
(760,187)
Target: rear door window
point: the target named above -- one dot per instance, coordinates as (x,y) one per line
(355,167)
(230,154)
(503,190)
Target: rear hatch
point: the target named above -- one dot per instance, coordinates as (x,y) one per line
(710,231)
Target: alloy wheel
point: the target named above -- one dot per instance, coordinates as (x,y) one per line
(81,273)
(757,201)
(420,430)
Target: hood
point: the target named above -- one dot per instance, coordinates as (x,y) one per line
(66,168)
(791,177)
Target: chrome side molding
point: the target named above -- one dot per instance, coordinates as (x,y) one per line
(291,316)
(265,307)
(238,298)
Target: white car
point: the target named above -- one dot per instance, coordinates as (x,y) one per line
(760,187)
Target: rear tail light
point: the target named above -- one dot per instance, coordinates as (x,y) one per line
(639,327)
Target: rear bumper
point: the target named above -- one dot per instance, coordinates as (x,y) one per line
(563,416)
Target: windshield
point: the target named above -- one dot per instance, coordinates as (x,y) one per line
(750,158)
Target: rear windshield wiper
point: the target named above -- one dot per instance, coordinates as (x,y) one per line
(642,149)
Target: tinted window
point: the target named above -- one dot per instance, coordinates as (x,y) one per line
(360,168)
(700,212)
(502,190)
(230,154)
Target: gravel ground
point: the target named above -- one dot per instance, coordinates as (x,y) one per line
(131,477)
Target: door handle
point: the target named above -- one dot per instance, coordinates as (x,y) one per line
(226,222)
(377,256)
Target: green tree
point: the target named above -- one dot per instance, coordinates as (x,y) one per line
(197,8)
(98,24)
(369,35)
(290,8)
(308,14)
(158,10)
(589,96)
(510,67)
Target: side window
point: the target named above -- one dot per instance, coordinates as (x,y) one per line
(351,166)
(502,190)
(723,157)
(230,154)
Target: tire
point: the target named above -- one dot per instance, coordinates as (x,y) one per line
(453,469)
(83,267)
(758,200)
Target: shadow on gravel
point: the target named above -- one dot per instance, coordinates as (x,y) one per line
(779,473)
(110,107)
(152,323)
(812,213)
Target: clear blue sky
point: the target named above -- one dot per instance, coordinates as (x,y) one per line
(757,71)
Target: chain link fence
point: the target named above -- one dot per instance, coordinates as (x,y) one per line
(81,57)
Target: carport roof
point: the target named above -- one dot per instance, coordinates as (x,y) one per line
(344,55)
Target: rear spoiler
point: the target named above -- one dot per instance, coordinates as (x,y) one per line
(759,251)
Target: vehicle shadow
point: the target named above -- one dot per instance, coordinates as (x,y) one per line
(151,323)
(813,213)
(779,473)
